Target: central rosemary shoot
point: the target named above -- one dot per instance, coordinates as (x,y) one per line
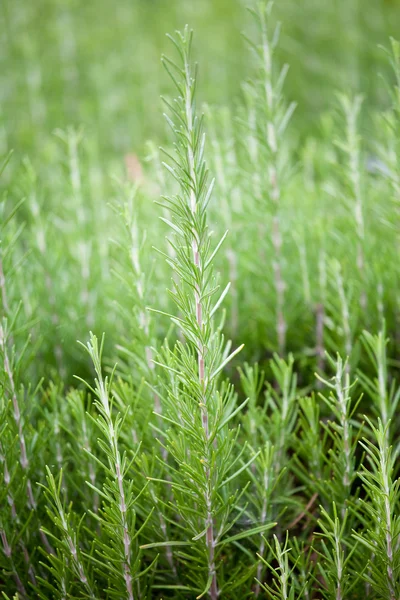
(196,406)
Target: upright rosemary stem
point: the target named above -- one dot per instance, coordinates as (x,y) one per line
(8,553)
(74,553)
(24,461)
(15,519)
(343,401)
(3,289)
(200,345)
(92,474)
(233,276)
(17,415)
(339,556)
(320,313)
(7,367)
(352,109)
(23,458)
(274,183)
(319,336)
(388,520)
(7,481)
(345,312)
(194,398)
(261,550)
(120,481)
(144,319)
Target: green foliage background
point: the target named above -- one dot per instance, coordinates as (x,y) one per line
(97,63)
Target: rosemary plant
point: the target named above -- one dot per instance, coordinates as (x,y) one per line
(197,407)
(268,120)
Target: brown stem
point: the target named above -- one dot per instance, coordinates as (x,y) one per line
(8,554)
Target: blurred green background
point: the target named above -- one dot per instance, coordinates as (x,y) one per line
(90,71)
(97,63)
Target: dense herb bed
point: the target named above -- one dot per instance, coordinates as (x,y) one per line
(246,442)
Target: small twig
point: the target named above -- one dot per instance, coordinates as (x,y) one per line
(304,512)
